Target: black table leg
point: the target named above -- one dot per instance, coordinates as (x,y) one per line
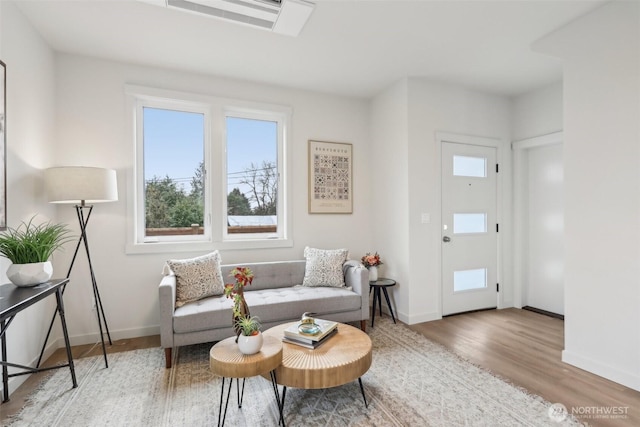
(366,405)
(5,370)
(274,383)
(66,336)
(226,405)
(240,396)
(386,296)
(376,296)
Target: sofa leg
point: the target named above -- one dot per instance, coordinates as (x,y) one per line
(363,325)
(167,357)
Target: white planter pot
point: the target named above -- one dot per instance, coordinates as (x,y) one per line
(26,275)
(251,344)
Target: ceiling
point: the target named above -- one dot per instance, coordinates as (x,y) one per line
(350,47)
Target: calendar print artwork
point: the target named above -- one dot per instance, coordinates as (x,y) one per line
(330,177)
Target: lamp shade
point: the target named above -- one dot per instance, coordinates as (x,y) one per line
(79,184)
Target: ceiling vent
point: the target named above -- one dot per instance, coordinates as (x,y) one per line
(280,16)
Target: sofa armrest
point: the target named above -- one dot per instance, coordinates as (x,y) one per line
(356,276)
(167,298)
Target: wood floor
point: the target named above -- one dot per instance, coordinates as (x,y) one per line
(525,348)
(522,347)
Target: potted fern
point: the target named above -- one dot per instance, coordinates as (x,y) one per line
(250,339)
(29,247)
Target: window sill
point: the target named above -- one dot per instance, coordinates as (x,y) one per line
(171,247)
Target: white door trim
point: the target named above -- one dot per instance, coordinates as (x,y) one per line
(498,143)
(520,153)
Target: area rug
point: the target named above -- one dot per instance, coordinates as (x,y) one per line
(412,382)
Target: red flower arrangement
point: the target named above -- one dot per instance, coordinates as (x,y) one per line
(370,260)
(244,277)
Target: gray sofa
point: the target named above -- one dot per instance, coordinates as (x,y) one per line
(275,296)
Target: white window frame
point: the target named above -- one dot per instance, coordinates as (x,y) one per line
(280,119)
(215,111)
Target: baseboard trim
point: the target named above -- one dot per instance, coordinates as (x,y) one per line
(545,312)
(470,311)
(627,379)
(420,318)
(120,334)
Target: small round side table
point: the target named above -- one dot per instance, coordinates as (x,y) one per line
(226,360)
(376,285)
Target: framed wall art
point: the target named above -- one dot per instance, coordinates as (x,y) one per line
(330,177)
(3,146)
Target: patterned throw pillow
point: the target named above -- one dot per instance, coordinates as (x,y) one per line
(197,278)
(324,267)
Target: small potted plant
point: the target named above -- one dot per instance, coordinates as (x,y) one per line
(250,339)
(235,291)
(29,247)
(372,261)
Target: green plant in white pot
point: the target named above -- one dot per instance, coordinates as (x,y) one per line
(29,247)
(250,339)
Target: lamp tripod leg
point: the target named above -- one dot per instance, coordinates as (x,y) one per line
(96,293)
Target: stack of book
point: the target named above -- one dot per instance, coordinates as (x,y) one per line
(327,330)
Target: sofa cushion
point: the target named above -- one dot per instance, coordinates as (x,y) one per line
(270,305)
(324,267)
(197,278)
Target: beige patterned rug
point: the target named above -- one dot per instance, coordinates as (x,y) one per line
(412,382)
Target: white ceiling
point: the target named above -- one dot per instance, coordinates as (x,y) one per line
(350,47)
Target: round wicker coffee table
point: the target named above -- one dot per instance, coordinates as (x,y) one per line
(345,357)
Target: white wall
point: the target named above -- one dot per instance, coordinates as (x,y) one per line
(91,130)
(405,120)
(537,113)
(390,188)
(436,107)
(601,56)
(30,125)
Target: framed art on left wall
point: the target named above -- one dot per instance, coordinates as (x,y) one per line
(3,146)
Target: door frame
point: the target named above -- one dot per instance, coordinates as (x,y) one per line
(497,143)
(520,150)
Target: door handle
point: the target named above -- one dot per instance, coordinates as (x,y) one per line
(446,239)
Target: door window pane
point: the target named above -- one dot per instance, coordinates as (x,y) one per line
(466,280)
(470,166)
(469,223)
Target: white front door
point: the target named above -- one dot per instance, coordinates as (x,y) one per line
(469,228)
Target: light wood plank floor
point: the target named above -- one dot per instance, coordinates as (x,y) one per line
(525,348)
(522,347)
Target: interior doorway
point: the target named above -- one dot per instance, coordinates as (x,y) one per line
(539,219)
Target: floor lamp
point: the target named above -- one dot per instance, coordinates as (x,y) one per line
(83,187)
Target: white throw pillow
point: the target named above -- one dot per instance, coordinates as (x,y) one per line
(197,278)
(324,267)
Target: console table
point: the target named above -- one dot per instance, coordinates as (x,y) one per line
(13,300)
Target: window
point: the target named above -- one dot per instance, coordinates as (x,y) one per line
(252,175)
(173,164)
(469,223)
(209,173)
(475,167)
(468,280)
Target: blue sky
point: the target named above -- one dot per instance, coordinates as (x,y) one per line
(173,143)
